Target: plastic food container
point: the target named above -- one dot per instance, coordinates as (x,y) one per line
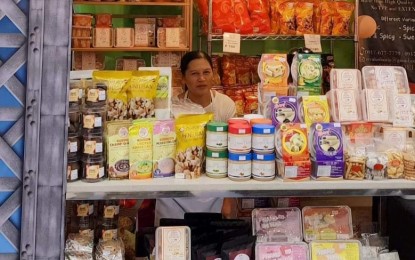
(171,37)
(74,144)
(277,225)
(216,164)
(96,94)
(123,37)
(73,171)
(81,31)
(283,251)
(217,136)
(81,42)
(93,168)
(103,20)
(345,79)
(82,20)
(239,166)
(345,105)
(376,105)
(393,78)
(240,138)
(263,167)
(327,223)
(173,243)
(103,37)
(341,250)
(75,93)
(93,120)
(93,144)
(263,138)
(294,171)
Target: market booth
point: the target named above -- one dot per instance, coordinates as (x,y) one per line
(304,168)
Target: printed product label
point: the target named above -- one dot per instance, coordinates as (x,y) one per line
(89,121)
(263,142)
(216,140)
(385,78)
(239,170)
(239,142)
(89,147)
(174,243)
(73,147)
(74,175)
(74,95)
(219,167)
(98,121)
(92,95)
(101,95)
(263,169)
(92,171)
(109,234)
(347,79)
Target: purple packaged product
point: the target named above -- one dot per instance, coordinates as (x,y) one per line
(327,141)
(327,169)
(284,110)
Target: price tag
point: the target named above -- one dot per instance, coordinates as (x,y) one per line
(172,37)
(313,42)
(323,170)
(232,42)
(389,256)
(291,171)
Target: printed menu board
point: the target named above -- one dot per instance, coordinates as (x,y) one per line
(394,40)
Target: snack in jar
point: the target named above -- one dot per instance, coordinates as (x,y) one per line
(240,138)
(263,167)
(277,225)
(74,144)
(93,168)
(75,93)
(93,144)
(216,164)
(340,250)
(217,136)
(239,166)
(96,94)
(173,243)
(281,251)
(73,171)
(327,223)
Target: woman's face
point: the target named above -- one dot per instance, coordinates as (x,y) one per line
(198,77)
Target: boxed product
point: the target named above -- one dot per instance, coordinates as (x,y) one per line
(173,243)
(102,37)
(309,74)
(391,78)
(81,31)
(123,37)
(129,64)
(345,105)
(376,105)
(277,225)
(171,37)
(85,60)
(402,115)
(327,223)
(294,171)
(284,110)
(273,69)
(145,32)
(292,142)
(103,20)
(164,148)
(314,109)
(345,79)
(340,250)
(82,20)
(281,251)
(81,42)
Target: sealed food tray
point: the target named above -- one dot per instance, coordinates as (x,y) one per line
(282,251)
(162,37)
(339,250)
(345,79)
(327,223)
(277,225)
(386,77)
(345,105)
(81,42)
(81,31)
(82,20)
(173,243)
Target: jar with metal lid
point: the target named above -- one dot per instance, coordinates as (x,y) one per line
(217,136)
(73,170)
(93,168)
(263,167)
(239,138)
(263,138)
(74,144)
(93,144)
(75,93)
(74,117)
(239,166)
(216,164)
(96,95)
(93,120)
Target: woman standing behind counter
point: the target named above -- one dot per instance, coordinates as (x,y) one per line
(197,77)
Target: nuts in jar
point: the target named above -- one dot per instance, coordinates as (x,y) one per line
(93,119)
(239,166)
(217,136)
(96,95)
(93,168)
(93,144)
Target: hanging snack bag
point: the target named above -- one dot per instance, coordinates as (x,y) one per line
(164,148)
(314,109)
(286,13)
(304,18)
(275,23)
(142,94)
(223,16)
(243,22)
(342,17)
(117,84)
(228,70)
(141,150)
(259,11)
(242,70)
(190,131)
(326,21)
(117,149)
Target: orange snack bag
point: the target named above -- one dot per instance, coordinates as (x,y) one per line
(326,22)
(228,70)
(341,18)
(243,22)
(259,10)
(286,12)
(242,70)
(304,18)
(275,23)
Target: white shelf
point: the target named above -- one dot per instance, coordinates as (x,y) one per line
(208,187)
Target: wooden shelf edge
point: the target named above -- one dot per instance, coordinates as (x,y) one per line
(132,3)
(133,49)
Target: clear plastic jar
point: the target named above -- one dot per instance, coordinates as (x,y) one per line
(240,138)
(263,167)
(240,166)
(93,144)
(74,144)
(216,164)
(217,136)
(74,120)
(75,93)
(74,170)
(93,120)
(96,95)
(263,139)
(93,168)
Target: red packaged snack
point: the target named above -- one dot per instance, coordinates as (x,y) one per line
(253,65)
(341,18)
(259,10)
(286,13)
(243,22)
(251,103)
(304,18)
(275,24)
(237,97)
(242,70)
(228,70)
(216,60)
(103,20)
(326,22)
(223,16)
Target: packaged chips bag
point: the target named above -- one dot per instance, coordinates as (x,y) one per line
(342,17)
(286,12)
(142,94)
(304,18)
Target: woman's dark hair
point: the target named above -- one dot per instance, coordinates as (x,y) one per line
(193,55)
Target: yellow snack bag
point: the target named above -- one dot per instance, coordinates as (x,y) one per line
(117,83)
(141,149)
(191,132)
(142,94)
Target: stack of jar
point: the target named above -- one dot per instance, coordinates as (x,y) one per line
(251,149)
(216,153)
(86,129)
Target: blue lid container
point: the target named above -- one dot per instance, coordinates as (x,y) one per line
(240,157)
(263,129)
(264,157)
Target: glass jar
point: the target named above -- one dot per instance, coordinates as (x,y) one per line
(263,138)
(216,164)
(239,166)
(217,136)
(93,120)
(73,171)
(74,144)
(239,138)
(263,167)
(96,95)
(93,168)
(93,144)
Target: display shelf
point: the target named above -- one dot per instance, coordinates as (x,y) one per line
(130,49)
(218,37)
(132,3)
(209,187)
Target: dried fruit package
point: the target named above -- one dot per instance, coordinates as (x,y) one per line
(142,94)
(259,11)
(216,60)
(228,70)
(326,23)
(341,18)
(286,13)
(190,131)
(117,84)
(327,223)
(223,16)
(141,150)
(242,70)
(243,22)
(304,18)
